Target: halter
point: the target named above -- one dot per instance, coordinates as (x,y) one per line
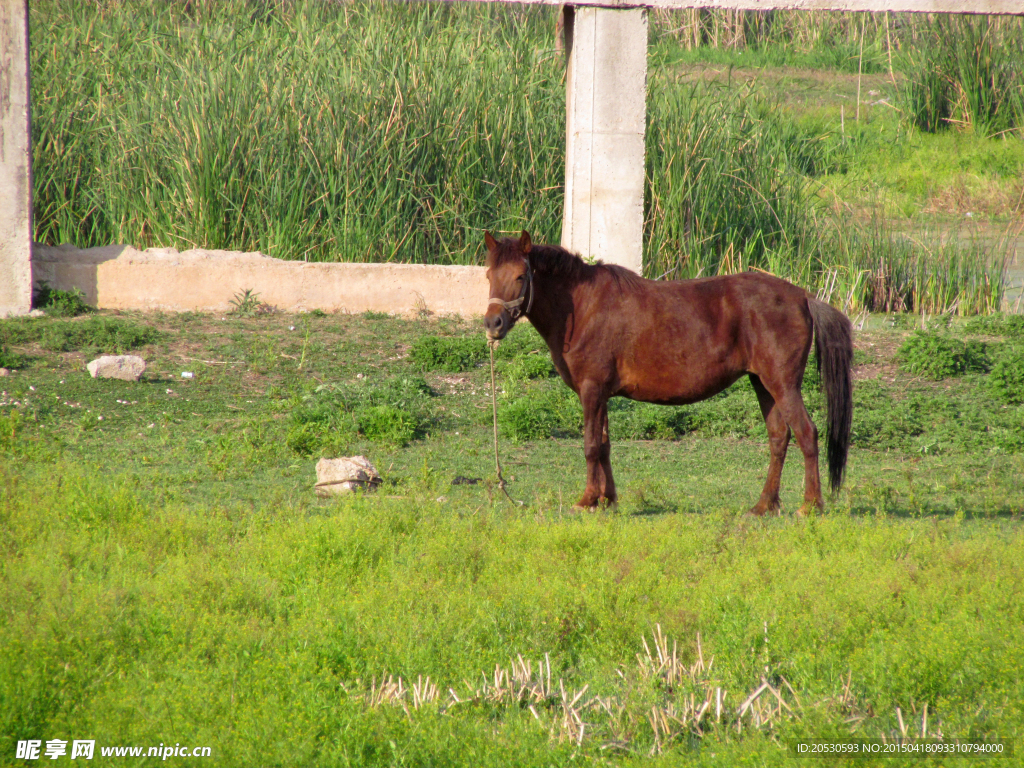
(513,306)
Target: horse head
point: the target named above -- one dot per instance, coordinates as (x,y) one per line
(511,283)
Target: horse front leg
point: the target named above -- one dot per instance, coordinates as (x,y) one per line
(596,448)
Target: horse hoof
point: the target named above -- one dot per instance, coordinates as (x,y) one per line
(809,508)
(764,510)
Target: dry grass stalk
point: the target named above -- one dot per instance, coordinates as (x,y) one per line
(389,691)
(570,724)
(518,684)
(423,691)
(665,665)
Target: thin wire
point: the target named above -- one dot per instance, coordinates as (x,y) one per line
(494,407)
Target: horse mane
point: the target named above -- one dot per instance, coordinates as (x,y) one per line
(558,262)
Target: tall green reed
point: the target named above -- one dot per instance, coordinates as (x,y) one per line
(967,72)
(368,131)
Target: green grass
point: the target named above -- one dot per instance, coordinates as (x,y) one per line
(169,574)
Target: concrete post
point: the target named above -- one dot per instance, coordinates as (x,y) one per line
(606,97)
(15,161)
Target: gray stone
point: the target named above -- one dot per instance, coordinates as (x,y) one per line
(5,371)
(345,474)
(124,367)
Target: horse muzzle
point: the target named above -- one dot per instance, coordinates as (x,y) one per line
(497,325)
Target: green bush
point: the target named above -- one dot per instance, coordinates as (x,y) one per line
(58,303)
(391,411)
(630,420)
(97,334)
(526,419)
(996,324)
(940,356)
(450,354)
(9,359)
(523,340)
(1007,376)
(387,424)
(548,409)
(530,367)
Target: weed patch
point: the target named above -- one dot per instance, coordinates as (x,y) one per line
(387,424)
(97,334)
(451,354)
(940,356)
(630,420)
(996,324)
(10,359)
(58,303)
(327,420)
(1007,376)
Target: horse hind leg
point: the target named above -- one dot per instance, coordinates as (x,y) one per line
(608,489)
(778,442)
(806,434)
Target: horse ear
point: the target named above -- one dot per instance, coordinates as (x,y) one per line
(492,248)
(524,242)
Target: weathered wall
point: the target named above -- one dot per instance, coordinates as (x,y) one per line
(121,277)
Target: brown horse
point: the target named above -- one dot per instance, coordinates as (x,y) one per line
(613,333)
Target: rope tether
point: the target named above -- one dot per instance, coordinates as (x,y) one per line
(494,407)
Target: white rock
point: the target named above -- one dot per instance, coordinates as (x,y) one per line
(345,474)
(124,367)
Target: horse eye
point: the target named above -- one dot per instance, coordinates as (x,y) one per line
(520,278)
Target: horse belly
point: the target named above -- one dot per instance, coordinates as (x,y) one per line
(668,383)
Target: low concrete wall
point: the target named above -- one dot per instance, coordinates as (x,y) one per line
(121,277)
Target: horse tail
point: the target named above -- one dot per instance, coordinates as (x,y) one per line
(833,336)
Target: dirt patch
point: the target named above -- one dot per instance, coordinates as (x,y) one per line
(885,372)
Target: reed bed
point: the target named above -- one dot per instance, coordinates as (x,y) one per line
(367,131)
(374,131)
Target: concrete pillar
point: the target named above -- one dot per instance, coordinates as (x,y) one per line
(606,98)
(15,161)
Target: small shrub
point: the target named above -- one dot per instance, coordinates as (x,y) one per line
(732,413)
(387,424)
(449,354)
(526,419)
(245,303)
(9,359)
(391,411)
(939,356)
(320,425)
(58,303)
(545,409)
(9,431)
(97,334)
(1007,376)
(996,324)
(523,340)
(629,420)
(530,367)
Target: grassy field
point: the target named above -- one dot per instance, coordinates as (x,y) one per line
(378,131)
(170,577)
